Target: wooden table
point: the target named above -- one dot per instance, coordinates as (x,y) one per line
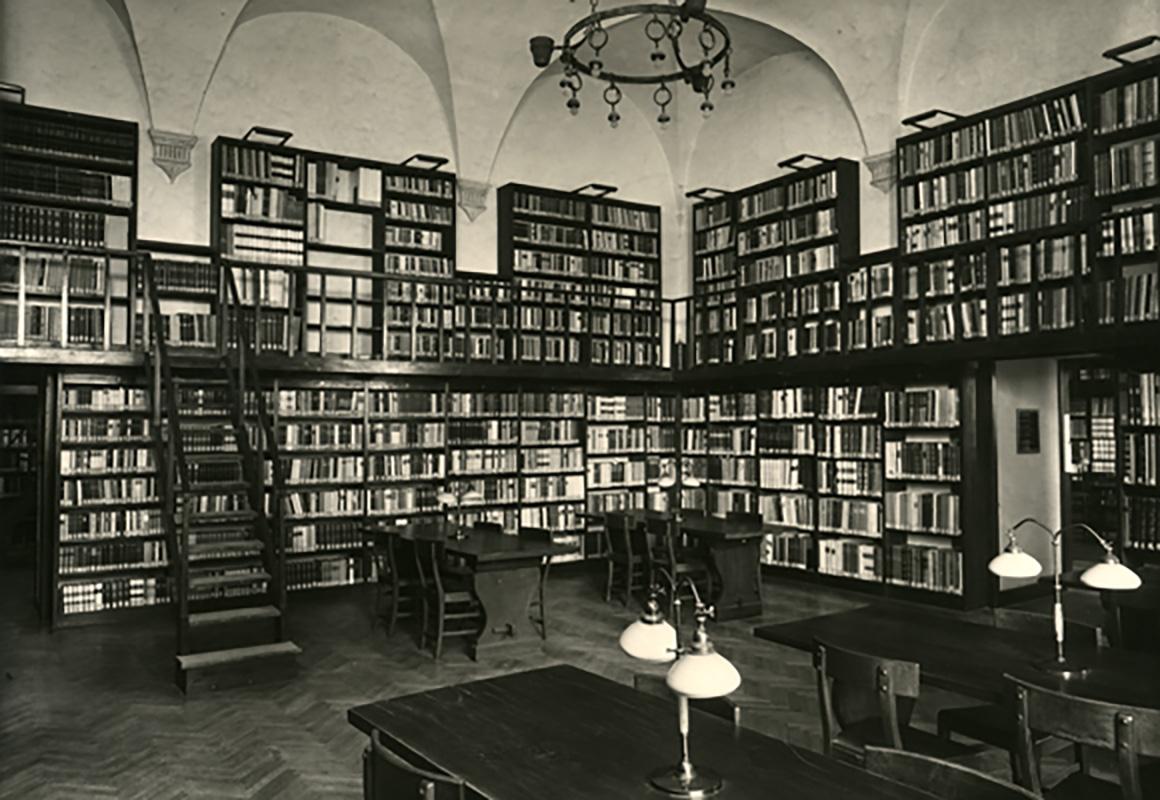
(506,574)
(563,733)
(735,547)
(971,659)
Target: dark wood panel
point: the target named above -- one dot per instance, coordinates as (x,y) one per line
(563,733)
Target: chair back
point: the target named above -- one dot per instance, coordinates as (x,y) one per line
(538,535)
(388,776)
(623,538)
(1132,619)
(749,519)
(487,527)
(429,557)
(943,779)
(1076,633)
(1129,731)
(874,693)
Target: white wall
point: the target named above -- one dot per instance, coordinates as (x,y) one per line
(1028,483)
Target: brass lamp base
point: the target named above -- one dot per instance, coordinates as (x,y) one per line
(674,782)
(1063,669)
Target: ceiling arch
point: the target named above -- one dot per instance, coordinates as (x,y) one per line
(409,24)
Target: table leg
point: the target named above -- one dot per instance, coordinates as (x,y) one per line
(738,566)
(505,595)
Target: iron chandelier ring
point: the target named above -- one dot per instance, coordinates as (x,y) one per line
(568,48)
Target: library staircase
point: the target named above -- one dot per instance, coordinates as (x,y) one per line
(229,586)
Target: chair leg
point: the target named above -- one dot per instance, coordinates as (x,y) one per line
(629,573)
(394,619)
(425,622)
(439,630)
(543,613)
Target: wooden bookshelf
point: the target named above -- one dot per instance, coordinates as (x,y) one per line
(19,470)
(587,271)
(68,221)
(110,551)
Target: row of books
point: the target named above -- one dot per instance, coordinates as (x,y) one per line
(636,219)
(418,238)
(922,460)
(484,461)
(482,431)
(185,275)
(942,149)
(1129,105)
(104,398)
(316,402)
(263,244)
(1142,458)
(554,488)
(1142,399)
(953,229)
(1142,522)
(787,549)
(109,524)
(1042,121)
(1127,166)
(329,502)
(942,191)
(851,558)
(358,185)
(332,535)
(254,164)
(860,517)
(550,205)
(274,203)
(604,474)
(80,430)
(30,132)
(850,478)
(923,512)
(1133,232)
(329,571)
(412,211)
(73,228)
(71,183)
(440,186)
(922,407)
(113,593)
(936,569)
(117,554)
(849,440)
(405,466)
(1037,169)
(711,213)
(95,461)
(1059,207)
(787,508)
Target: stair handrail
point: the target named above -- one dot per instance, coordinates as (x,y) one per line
(171,453)
(248,373)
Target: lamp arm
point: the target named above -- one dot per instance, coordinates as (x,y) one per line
(1084,527)
(1032,521)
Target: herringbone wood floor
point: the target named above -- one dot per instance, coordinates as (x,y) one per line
(93,712)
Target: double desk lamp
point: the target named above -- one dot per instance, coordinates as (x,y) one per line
(1107,575)
(453,497)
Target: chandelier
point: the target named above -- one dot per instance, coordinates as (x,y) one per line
(663,29)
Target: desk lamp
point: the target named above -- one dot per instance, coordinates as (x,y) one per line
(670,479)
(454,498)
(698,673)
(1109,574)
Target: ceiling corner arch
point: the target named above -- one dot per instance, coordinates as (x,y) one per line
(413,29)
(121,11)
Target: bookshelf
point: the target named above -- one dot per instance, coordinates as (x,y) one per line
(863,485)
(730,480)
(768,266)
(483,440)
(110,549)
(616,452)
(552,466)
(19,470)
(587,271)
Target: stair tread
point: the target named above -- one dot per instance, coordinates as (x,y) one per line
(199,581)
(214,658)
(205,618)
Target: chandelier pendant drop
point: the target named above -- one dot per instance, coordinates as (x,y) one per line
(582,46)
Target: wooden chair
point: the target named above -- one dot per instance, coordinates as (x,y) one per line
(1132,619)
(1131,734)
(627,555)
(943,779)
(450,606)
(994,723)
(398,581)
(387,776)
(542,536)
(732,710)
(681,562)
(868,700)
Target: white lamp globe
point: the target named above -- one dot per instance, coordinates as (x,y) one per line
(1014,563)
(692,482)
(650,641)
(1110,575)
(667,481)
(700,676)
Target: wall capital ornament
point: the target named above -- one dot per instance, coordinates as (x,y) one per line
(172,151)
(473,197)
(883,175)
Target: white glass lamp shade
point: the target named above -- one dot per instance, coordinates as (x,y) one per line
(472,496)
(700,676)
(667,481)
(1111,575)
(446,499)
(692,482)
(1014,563)
(650,641)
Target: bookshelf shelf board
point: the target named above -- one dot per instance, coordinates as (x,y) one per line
(304,518)
(244,180)
(851,576)
(923,478)
(1027,147)
(122,615)
(1104,139)
(114,207)
(923,532)
(264,222)
(234,261)
(850,495)
(118,503)
(922,426)
(824,531)
(850,456)
(409,481)
(83,574)
(917,217)
(774,528)
(110,473)
(119,441)
(359,251)
(343,205)
(312,553)
(338,483)
(121,536)
(433,199)
(1020,194)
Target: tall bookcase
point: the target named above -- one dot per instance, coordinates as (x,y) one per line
(881,486)
(109,549)
(19,470)
(68,199)
(378,240)
(769,265)
(587,270)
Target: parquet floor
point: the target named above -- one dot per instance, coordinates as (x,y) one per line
(93,712)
